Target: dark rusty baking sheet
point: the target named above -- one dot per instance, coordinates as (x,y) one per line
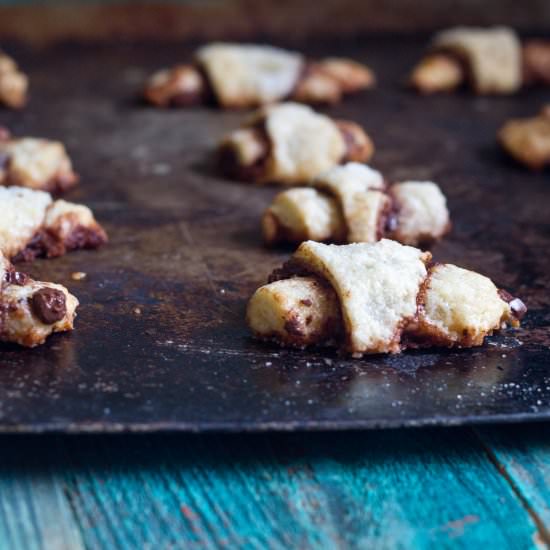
(160,341)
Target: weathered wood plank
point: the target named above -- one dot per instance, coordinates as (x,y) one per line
(398,489)
(35,513)
(523,455)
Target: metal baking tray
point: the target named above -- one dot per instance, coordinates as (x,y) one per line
(160,340)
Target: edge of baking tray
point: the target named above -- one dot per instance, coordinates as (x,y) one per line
(259,427)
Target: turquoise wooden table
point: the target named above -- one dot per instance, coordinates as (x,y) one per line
(436,488)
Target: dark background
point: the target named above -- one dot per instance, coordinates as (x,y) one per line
(46,21)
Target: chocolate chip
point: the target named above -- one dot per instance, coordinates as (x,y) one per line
(293,327)
(17,278)
(48,304)
(519,309)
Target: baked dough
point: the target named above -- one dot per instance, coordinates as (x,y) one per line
(244,76)
(437,72)
(351,203)
(389,297)
(32,310)
(528,139)
(13,83)
(32,224)
(249,75)
(419,213)
(35,163)
(291,144)
(489,58)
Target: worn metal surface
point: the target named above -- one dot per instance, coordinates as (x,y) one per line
(185,250)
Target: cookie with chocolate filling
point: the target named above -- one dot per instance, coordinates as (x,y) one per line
(33,225)
(35,163)
(290,144)
(490,60)
(351,203)
(527,140)
(248,75)
(32,310)
(13,83)
(377,298)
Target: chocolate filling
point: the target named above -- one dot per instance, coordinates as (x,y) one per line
(358,146)
(48,304)
(333,328)
(61,183)
(85,237)
(293,327)
(230,165)
(384,218)
(46,244)
(43,244)
(390,219)
(291,268)
(16,278)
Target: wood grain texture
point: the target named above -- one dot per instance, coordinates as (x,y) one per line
(523,455)
(393,489)
(35,513)
(415,489)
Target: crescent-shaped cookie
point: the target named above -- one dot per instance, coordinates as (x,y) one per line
(351,203)
(377,298)
(290,144)
(33,225)
(249,75)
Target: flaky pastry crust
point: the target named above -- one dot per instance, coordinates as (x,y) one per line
(527,140)
(290,144)
(249,75)
(13,83)
(389,297)
(35,163)
(32,310)
(32,225)
(351,203)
